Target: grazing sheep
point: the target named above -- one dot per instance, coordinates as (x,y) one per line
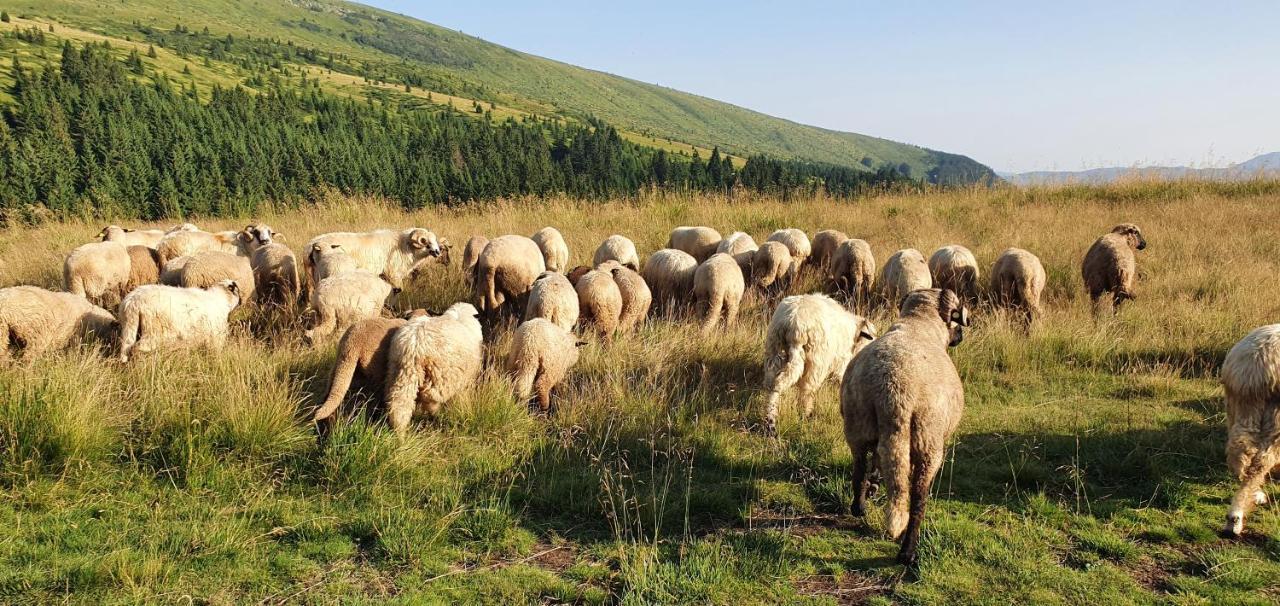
(555,253)
(700,242)
(275,275)
(140,237)
(540,357)
(669,274)
(771,265)
(98,271)
(1109,266)
(904,272)
(955,268)
(430,360)
(576,273)
(155,315)
(204,269)
(617,248)
(1251,379)
(362,356)
(825,243)
(327,260)
(1017,279)
(471,255)
(382,252)
(599,301)
(507,268)
(902,398)
(342,300)
(853,270)
(797,243)
(553,297)
(741,247)
(36,320)
(811,338)
(171,271)
(184,243)
(718,288)
(144,266)
(636,296)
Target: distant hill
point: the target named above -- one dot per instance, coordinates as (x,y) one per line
(1265,164)
(360,48)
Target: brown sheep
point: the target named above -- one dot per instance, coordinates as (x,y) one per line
(770,266)
(599,302)
(276,275)
(362,356)
(853,271)
(506,270)
(824,247)
(955,268)
(144,266)
(636,296)
(1109,266)
(718,288)
(700,241)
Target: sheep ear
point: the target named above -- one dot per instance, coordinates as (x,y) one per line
(276,234)
(129,230)
(244,236)
(960,316)
(579,343)
(867,333)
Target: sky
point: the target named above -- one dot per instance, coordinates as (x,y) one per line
(1018,86)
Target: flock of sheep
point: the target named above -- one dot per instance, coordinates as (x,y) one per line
(900,395)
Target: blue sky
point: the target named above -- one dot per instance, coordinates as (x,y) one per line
(1016,85)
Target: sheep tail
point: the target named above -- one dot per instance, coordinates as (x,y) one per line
(130,323)
(404,381)
(486,276)
(338,387)
(894,454)
(785,369)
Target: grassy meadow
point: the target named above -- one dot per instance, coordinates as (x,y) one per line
(1088,468)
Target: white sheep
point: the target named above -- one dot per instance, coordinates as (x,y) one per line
(541,355)
(1251,380)
(275,274)
(98,271)
(904,272)
(636,296)
(797,243)
(327,260)
(430,361)
(599,301)
(184,243)
(955,268)
(140,237)
(471,255)
(156,315)
(209,267)
(506,270)
(342,300)
(555,253)
(554,298)
(741,246)
(699,241)
(394,254)
(1017,279)
(36,320)
(617,248)
(824,247)
(669,274)
(718,288)
(771,266)
(362,356)
(853,270)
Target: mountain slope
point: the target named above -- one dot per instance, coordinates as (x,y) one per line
(395,49)
(1265,164)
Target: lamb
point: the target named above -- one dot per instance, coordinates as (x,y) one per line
(185,243)
(1251,380)
(617,248)
(275,275)
(206,268)
(471,255)
(904,272)
(1109,266)
(1017,279)
(555,253)
(600,301)
(98,271)
(327,260)
(636,296)
(902,398)
(810,339)
(430,360)
(797,243)
(362,356)
(824,247)
(155,315)
(718,288)
(853,270)
(669,274)
(382,252)
(342,300)
(770,265)
(540,357)
(553,297)
(507,268)
(955,268)
(741,247)
(144,266)
(700,242)
(36,321)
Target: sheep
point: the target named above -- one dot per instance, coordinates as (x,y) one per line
(553,297)
(1251,380)
(669,274)
(255,236)
(328,260)
(576,273)
(1109,266)
(36,320)
(345,299)
(156,315)
(206,268)
(540,357)
(471,255)
(140,237)
(275,275)
(617,248)
(98,271)
(853,270)
(599,301)
(797,243)
(362,356)
(902,398)
(382,252)
(771,265)
(904,272)
(824,246)
(636,296)
(718,288)
(555,253)
(810,339)
(430,360)
(700,242)
(507,268)
(185,243)
(1017,279)
(955,268)
(741,247)
(171,271)
(144,266)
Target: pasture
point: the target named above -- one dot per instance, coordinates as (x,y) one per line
(1088,467)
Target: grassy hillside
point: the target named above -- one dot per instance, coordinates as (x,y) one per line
(382,43)
(1088,467)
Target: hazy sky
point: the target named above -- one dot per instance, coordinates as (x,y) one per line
(1016,85)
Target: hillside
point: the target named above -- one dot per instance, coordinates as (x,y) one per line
(391,49)
(1264,166)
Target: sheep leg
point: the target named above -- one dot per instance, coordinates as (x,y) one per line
(861,452)
(325,325)
(1247,497)
(922,470)
(711,314)
(783,372)
(731,314)
(129,329)
(543,388)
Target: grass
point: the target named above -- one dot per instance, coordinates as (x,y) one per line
(1088,468)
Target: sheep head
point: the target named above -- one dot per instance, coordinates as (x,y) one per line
(1132,234)
(954,314)
(421,242)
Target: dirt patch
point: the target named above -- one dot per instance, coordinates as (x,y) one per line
(847,589)
(556,558)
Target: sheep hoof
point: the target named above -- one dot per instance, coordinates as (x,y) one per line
(909,559)
(857,510)
(1260,498)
